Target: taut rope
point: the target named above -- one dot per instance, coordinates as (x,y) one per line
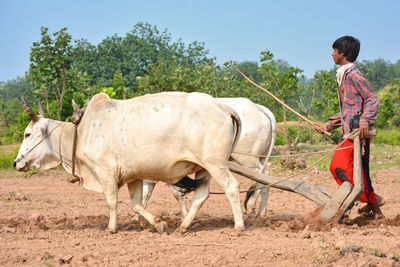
(349,136)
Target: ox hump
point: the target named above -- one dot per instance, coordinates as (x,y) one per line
(97,100)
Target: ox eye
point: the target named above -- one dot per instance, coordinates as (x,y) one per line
(27,135)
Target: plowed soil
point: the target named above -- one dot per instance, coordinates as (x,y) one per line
(45,221)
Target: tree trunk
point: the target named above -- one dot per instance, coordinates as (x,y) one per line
(46,97)
(298,132)
(288,139)
(311,135)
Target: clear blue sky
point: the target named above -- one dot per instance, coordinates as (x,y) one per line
(298,31)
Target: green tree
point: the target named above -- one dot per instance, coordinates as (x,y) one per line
(15,88)
(10,105)
(389,108)
(282,79)
(50,63)
(326,101)
(250,69)
(132,55)
(378,72)
(120,85)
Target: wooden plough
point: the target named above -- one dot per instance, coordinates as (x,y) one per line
(344,198)
(316,194)
(334,206)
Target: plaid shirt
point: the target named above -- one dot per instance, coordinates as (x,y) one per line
(358,99)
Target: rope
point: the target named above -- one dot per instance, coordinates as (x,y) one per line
(30,150)
(282,103)
(349,136)
(287,155)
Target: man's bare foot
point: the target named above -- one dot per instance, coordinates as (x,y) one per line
(374,208)
(367,208)
(380,200)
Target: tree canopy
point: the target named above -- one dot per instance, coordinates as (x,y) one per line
(147,60)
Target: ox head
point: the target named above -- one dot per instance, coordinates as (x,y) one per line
(36,151)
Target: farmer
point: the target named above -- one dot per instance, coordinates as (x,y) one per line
(358,109)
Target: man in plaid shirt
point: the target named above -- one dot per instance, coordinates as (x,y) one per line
(358,102)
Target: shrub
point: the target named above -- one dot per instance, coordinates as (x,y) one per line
(7,159)
(389,137)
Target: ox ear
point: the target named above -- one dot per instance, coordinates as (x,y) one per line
(41,110)
(29,110)
(76,107)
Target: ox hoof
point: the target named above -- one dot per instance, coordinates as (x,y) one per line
(111,231)
(239,228)
(72,180)
(136,218)
(181,231)
(250,211)
(161,227)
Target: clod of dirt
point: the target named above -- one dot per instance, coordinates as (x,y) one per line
(289,163)
(356,248)
(301,163)
(65,260)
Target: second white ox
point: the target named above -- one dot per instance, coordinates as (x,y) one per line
(255,145)
(159,137)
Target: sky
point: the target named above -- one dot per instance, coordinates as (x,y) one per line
(298,31)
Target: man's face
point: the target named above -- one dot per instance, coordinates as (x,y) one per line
(337,58)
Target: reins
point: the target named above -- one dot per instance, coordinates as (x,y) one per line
(287,155)
(348,136)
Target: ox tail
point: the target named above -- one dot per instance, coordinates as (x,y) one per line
(237,123)
(250,192)
(272,121)
(187,185)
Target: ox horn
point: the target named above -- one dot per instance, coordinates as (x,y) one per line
(29,110)
(76,107)
(41,110)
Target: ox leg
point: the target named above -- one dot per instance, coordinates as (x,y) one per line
(230,185)
(264,197)
(180,198)
(201,194)
(148,187)
(136,193)
(264,201)
(112,201)
(251,202)
(264,191)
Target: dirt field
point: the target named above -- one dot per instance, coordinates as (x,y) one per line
(45,221)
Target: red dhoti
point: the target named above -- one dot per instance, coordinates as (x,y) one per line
(342,169)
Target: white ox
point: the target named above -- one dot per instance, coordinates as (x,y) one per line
(159,137)
(257,137)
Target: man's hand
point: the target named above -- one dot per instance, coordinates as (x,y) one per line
(363,131)
(320,127)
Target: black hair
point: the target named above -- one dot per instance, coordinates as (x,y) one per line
(348,45)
